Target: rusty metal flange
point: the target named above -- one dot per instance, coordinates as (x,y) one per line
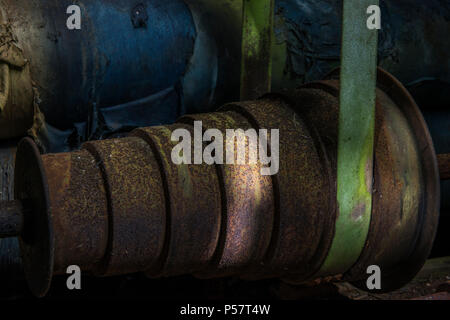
(302,224)
(135,203)
(193,207)
(79,209)
(406,196)
(248,204)
(37,244)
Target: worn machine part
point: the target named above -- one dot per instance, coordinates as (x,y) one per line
(193,207)
(247,200)
(406,194)
(420,196)
(302,185)
(73,182)
(129,172)
(301,198)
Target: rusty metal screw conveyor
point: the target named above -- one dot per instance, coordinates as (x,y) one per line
(121,206)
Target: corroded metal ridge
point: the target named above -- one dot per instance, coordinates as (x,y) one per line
(248,206)
(193,208)
(301,188)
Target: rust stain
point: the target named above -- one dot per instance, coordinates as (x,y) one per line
(122,206)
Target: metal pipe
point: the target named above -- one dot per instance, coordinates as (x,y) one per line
(122,206)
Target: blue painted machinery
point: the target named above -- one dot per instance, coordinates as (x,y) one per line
(146,62)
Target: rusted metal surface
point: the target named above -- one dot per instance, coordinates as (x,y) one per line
(136,216)
(131,209)
(406,192)
(420,195)
(444,166)
(193,208)
(79,205)
(398,193)
(248,204)
(300,188)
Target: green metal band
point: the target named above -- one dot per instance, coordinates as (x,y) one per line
(257,32)
(356,138)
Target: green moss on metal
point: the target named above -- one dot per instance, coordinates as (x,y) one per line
(257,33)
(356,138)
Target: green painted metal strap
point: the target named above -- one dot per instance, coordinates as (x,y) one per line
(356,138)
(257,30)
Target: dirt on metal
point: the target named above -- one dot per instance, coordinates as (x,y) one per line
(79,204)
(193,203)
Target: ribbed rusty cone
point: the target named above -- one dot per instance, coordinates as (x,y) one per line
(122,206)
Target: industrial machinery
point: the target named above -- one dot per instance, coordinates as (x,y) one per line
(120,206)
(141,63)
